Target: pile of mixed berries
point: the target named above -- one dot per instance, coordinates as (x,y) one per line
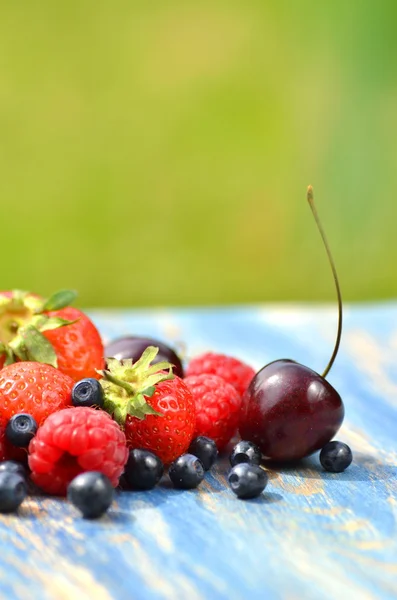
(75,423)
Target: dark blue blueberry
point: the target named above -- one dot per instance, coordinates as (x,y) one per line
(247,481)
(20,429)
(92,493)
(245,452)
(87,392)
(186,472)
(336,457)
(12,466)
(13,490)
(205,449)
(143,470)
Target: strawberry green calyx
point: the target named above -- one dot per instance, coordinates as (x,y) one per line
(59,300)
(126,385)
(23,320)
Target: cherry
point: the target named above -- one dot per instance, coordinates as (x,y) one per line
(133,346)
(289,410)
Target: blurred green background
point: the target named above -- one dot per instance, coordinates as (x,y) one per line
(158,153)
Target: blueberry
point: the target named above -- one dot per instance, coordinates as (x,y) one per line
(92,493)
(205,449)
(336,457)
(13,490)
(20,429)
(12,466)
(245,452)
(247,481)
(186,472)
(143,470)
(87,392)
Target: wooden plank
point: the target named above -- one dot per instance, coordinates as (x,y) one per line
(311,535)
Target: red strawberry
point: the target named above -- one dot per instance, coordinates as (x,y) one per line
(72,441)
(78,346)
(218,407)
(33,388)
(232,370)
(49,332)
(155,408)
(169,435)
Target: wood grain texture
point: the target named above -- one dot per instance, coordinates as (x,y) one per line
(311,535)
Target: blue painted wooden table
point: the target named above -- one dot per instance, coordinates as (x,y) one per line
(311,535)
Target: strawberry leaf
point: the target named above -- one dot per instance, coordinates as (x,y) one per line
(153,380)
(10,358)
(119,382)
(149,391)
(148,355)
(17,347)
(59,300)
(139,408)
(128,385)
(38,348)
(160,366)
(53,323)
(119,414)
(149,410)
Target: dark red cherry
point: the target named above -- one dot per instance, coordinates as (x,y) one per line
(290,411)
(134,346)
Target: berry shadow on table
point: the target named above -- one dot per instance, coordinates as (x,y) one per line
(265,498)
(364,468)
(129,501)
(117,517)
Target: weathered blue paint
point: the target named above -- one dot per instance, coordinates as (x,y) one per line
(311,535)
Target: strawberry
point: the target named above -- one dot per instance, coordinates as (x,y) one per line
(155,408)
(34,388)
(232,370)
(50,332)
(78,346)
(218,406)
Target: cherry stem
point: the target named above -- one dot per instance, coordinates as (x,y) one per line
(310,199)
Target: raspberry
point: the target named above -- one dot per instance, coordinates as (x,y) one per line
(74,440)
(232,370)
(218,407)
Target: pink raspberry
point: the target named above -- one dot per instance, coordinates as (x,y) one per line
(74,440)
(218,407)
(230,369)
